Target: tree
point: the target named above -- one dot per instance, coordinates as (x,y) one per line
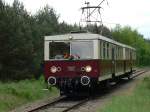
(47,21)
(131,37)
(16,42)
(101,29)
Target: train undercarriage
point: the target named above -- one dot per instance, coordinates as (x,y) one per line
(85,86)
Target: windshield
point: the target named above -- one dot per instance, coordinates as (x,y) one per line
(71,50)
(84,50)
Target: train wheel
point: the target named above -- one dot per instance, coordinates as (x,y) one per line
(130,76)
(107,85)
(62,93)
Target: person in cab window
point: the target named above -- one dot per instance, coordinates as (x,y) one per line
(66,55)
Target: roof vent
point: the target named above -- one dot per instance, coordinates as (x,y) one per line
(81,31)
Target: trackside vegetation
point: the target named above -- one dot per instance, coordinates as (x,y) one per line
(139,101)
(13,95)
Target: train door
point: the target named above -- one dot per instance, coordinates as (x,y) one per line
(113,61)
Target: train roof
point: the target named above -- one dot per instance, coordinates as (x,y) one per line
(83,36)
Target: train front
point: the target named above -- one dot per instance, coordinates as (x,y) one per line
(70,65)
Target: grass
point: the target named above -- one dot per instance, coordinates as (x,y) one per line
(139,101)
(15,94)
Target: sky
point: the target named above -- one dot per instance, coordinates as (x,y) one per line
(135,13)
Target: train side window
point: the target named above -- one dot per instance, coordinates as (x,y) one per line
(110,54)
(107,50)
(100,49)
(116,53)
(126,54)
(121,53)
(134,55)
(104,50)
(129,54)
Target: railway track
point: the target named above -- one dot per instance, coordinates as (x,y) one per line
(43,106)
(62,104)
(139,72)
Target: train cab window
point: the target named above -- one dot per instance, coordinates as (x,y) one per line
(58,50)
(82,49)
(78,49)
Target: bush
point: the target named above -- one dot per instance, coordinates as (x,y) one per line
(14,94)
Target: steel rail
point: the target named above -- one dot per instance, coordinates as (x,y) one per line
(40,107)
(140,72)
(76,105)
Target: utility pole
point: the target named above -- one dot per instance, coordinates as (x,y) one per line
(92,14)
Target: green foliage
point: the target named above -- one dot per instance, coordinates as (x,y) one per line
(13,94)
(47,20)
(16,42)
(103,30)
(131,37)
(137,102)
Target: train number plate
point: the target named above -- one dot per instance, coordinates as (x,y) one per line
(71,68)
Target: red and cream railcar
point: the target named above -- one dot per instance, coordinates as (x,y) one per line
(77,61)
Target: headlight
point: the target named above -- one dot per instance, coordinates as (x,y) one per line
(88,68)
(53,69)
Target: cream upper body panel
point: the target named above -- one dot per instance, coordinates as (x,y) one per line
(84,36)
